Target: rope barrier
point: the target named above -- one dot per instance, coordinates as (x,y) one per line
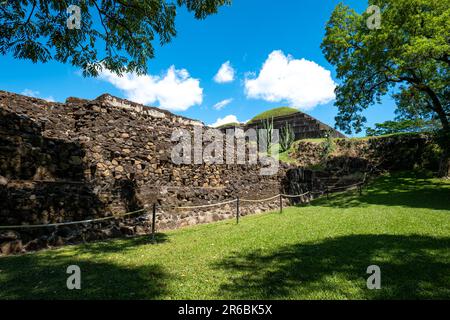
(260,200)
(183,207)
(24,226)
(267,199)
(242,200)
(295,196)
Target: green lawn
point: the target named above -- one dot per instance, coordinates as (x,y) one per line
(273,113)
(320,251)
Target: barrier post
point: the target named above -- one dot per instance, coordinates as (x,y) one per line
(237,210)
(153,221)
(281,203)
(360,189)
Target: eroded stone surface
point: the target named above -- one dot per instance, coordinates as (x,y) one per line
(87,159)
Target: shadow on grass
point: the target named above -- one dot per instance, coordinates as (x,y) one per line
(115,245)
(406,191)
(43,275)
(411,267)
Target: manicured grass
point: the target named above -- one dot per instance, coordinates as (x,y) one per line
(276,112)
(313,140)
(285,157)
(319,251)
(229,124)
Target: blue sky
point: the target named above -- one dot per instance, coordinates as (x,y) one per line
(181,77)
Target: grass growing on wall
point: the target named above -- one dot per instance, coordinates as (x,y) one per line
(230,124)
(273,113)
(320,140)
(285,157)
(320,251)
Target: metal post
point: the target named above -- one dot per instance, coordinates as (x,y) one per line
(360,190)
(153,222)
(281,203)
(237,210)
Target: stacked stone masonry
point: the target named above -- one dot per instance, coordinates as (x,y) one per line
(87,159)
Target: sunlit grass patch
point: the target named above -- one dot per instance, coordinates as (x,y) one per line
(320,251)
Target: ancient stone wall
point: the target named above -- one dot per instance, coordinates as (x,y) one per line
(389,153)
(88,159)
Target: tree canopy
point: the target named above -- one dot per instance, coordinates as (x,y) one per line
(112,34)
(402,126)
(408,58)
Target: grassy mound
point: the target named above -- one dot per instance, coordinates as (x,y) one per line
(321,251)
(277,112)
(231,124)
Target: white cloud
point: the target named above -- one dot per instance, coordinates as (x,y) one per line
(36,94)
(175,90)
(225,73)
(301,83)
(221,121)
(30,93)
(222,104)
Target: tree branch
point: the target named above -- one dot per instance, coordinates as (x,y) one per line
(31,14)
(104,27)
(118,22)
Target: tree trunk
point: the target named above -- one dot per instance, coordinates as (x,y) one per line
(444,138)
(444,165)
